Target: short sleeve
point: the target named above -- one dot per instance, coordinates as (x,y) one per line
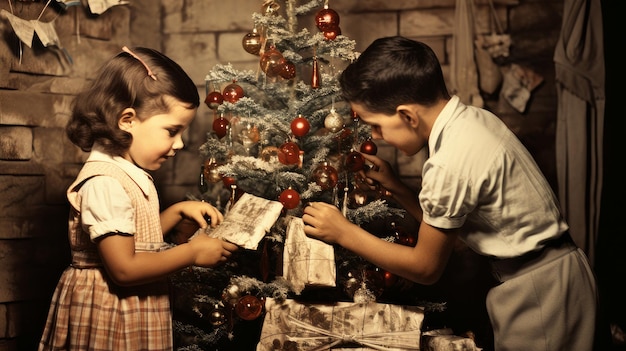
(444,197)
(106,208)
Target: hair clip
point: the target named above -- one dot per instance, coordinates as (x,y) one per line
(127,50)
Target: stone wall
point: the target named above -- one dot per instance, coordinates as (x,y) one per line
(37,85)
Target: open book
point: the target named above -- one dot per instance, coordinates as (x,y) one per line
(247,222)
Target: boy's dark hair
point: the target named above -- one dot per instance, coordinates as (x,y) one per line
(394,71)
(123,82)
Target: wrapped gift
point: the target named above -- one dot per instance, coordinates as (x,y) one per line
(247,222)
(307,261)
(445,340)
(290,325)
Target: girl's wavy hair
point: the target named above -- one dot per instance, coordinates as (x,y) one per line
(124,82)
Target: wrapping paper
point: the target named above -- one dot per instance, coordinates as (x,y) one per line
(248,221)
(307,261)
(290,325)
(445,340)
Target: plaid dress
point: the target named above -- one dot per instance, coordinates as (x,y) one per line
(88,311)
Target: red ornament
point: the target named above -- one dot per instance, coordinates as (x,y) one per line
(220,126)
(228,182)
(326,176)
(315,75)
(289,153)
(232,92)
(289,198)
(272,61)
(389,278)
(326,18)
(354,162)
(214,99)
(332,33)
(369,147)
(287,70)
(300,126)
(249,307)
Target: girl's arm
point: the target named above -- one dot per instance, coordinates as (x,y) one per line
(127,267)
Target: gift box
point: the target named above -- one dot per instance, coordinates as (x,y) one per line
(295,326)
(307,261)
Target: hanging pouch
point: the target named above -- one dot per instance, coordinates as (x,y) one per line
(490,48)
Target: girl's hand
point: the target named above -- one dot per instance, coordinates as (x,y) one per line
(199,211)
(209,252)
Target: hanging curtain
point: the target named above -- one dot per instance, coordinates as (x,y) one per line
(580,75)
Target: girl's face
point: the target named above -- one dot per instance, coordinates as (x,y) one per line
(158,137)
(399,130)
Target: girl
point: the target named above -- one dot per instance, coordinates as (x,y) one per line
(114,295)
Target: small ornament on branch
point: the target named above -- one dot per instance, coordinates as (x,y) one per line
(220,126)
(214,99)
(233,92)
(333,121)
(326,19)
(272,62)
(300,126)
(289,153)
(369,147)
(249,307)
(325,175)
(289,198)
(315,75)
(252,42)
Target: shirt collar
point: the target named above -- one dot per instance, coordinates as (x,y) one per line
(143,179)
(443,118)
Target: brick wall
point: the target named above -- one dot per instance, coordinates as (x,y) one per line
(37,163)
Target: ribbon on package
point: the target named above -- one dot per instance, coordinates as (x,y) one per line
(290,325)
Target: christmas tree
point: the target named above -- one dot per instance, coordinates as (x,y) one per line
(282,133)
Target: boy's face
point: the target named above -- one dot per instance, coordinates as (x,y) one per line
(399,130)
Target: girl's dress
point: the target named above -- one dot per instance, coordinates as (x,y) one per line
(90,312)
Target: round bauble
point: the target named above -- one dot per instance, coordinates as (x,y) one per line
(220,126)
(333,121)
(289,153)
(289,198)
(332,33)
(252,43)
(300,126)
(354,161)
(214,99)
(271,62)
(233,92)
(325,175)
(287,70)
(369,147)
(249,307)
(326,18)
(211,173)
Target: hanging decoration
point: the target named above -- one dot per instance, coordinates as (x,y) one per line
(315,75)
(233,92)
(252,42)
(221,126)
(300,126)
